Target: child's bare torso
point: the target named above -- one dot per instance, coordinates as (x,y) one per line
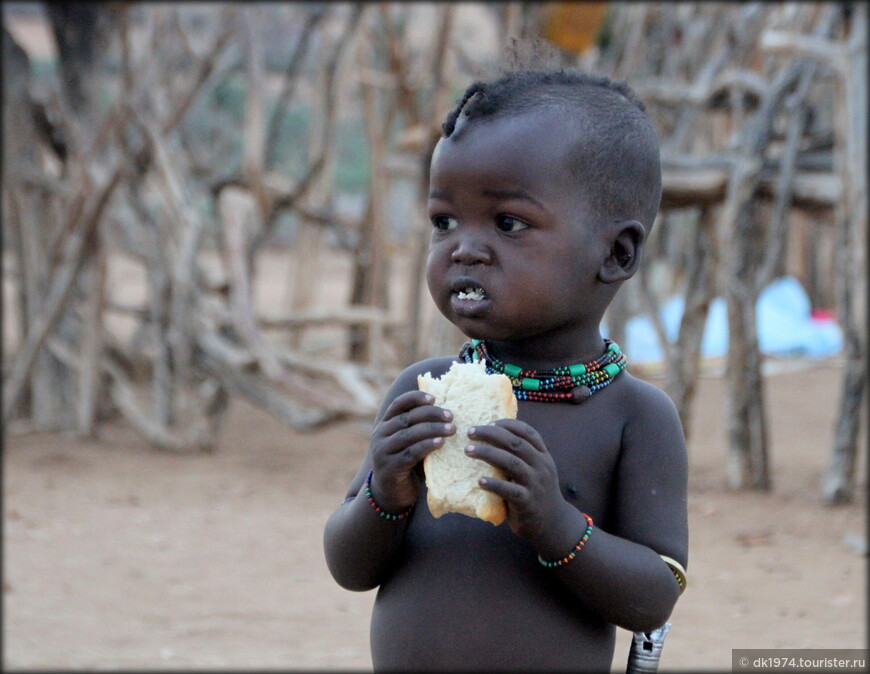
(468,595)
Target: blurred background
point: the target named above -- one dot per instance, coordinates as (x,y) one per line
(216,211)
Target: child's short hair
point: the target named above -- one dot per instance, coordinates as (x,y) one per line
(618,165)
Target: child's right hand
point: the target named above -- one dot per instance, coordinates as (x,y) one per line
(411,428)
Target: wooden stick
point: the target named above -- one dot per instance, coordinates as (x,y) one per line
(124,398)
(235,207)
(253,135)
(161,371)
(333,74)
(839,480)
(795,105)
(206,69)
(746,419)
(183,272)
(27,260)
(799,45)
(349,315)
(263,394)
(348,376)
(420,237)
(60,288)
(682,376)
(91,339)
(291,77)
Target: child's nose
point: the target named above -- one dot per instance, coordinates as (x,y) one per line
(471,249)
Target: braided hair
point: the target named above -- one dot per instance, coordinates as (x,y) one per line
(616,157)
(515,91)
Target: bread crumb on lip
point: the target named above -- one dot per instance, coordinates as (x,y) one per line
(472,293)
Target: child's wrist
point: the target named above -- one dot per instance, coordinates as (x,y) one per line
(566,538)
(383,508)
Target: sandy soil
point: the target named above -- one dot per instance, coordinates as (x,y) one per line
(119,556)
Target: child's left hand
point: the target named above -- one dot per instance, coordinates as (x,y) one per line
(534,499)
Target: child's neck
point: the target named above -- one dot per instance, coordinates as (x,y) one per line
(536,354)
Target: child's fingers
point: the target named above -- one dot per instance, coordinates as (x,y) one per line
(394,471)
(416,438)
(514,463)
(513,447)
(401,424)
(504,438)
(406,402)
(512,492)
(523,430)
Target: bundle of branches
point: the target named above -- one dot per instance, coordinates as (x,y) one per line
(168,184)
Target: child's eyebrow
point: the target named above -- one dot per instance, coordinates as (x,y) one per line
(515,194)
(495,194)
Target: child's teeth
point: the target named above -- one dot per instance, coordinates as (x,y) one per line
(471,294)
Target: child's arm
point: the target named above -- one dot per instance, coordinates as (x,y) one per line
(618,572)
(360,542)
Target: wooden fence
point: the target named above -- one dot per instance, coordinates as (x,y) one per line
(135,153)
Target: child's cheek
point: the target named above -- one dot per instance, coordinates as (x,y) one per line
(436,284)
(436,277)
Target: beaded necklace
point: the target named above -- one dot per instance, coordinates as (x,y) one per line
(569,383)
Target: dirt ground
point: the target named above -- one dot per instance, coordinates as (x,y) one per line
(119,556)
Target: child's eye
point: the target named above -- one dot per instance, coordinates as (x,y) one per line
(508,224)
(444,223)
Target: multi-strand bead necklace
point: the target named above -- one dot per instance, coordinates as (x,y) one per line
(569,383)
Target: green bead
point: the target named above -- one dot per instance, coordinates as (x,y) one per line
(612,369)
(614,348)
(531,384)
(513,371)
(577,370)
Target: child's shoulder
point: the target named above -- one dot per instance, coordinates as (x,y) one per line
(649,418)
(642,400)
(435,366)
(406,380)
(641,388)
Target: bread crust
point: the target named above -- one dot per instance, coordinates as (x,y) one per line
(475,398)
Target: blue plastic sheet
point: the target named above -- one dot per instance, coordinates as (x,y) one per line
(785,327)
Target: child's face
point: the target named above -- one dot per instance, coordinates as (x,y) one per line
(514,254)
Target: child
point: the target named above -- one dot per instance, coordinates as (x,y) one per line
(542,190)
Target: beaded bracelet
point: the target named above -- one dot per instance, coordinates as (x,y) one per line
(387,516)
(577,548)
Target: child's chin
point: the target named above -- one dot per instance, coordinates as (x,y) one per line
(469,309)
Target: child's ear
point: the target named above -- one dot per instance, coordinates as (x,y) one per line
(626,237)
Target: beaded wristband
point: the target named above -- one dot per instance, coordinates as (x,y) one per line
(577,548)
(387,516)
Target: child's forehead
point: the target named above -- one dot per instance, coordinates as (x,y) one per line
(524,125)
(528,134)
(529,147)
(494,158)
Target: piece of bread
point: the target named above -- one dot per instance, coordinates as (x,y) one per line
(475,398)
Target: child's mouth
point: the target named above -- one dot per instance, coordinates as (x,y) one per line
(470,301)
(472,293)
